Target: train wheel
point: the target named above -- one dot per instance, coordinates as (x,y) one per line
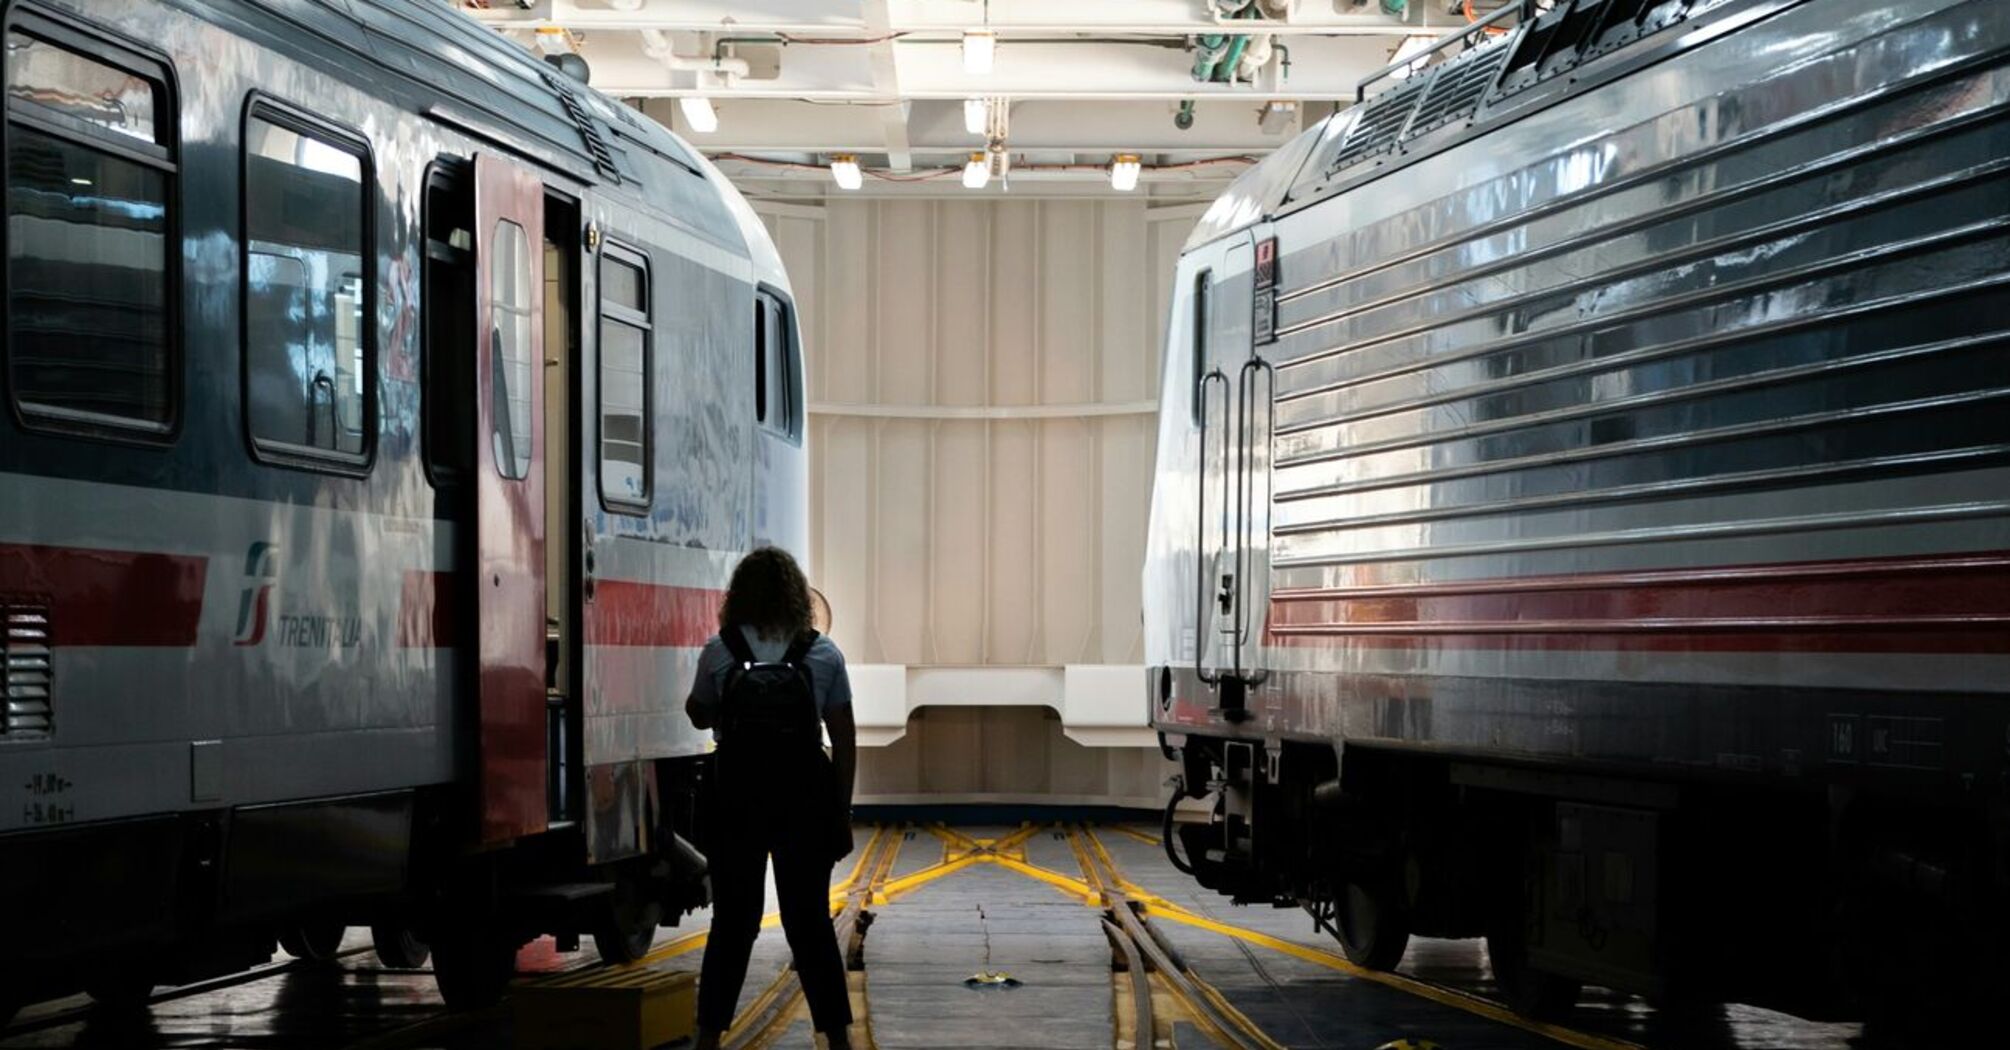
(120,989)
(628,927)
(1532,992)
(473,967)
(1371,928)
(315,942)
(399,948)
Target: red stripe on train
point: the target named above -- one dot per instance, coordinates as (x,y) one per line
(622,612)
(1939,604)
(107,597)
(625,612)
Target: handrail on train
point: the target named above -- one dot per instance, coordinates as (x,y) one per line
(1523,9)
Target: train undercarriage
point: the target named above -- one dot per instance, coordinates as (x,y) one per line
(170,901)
(1830,903)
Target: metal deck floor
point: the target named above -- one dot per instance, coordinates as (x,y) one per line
(942,925)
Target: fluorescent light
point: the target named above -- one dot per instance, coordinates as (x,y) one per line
(1410,48)
(979,45)
(844,170)
(80,181)
(698,113)
(976,174)
(1124,168)
(976,115)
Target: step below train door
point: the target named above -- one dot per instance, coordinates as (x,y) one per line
(509,512)
(1234,397)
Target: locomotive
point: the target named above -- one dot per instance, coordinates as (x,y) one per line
(384,412)
(1582,508)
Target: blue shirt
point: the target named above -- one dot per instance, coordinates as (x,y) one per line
(829,684)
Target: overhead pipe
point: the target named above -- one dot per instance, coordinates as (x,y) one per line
(656,44)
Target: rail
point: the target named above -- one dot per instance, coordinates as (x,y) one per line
(1523,10)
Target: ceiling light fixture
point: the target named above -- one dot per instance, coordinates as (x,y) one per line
(1124,170)
(976,173)
(698,113)
(979,47)
(976,115)
(845,171)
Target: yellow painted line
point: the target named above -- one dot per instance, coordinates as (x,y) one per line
(907,883)
(1458,1000)
(1121,829)
(858,866)
(1228,1010)
(1073,887)
(953,836)
(1026,831)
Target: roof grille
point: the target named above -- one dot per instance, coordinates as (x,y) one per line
(589,132)
(1454,93)
(1377,129)
(26,676)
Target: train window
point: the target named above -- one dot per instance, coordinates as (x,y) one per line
(1203,296)
(777,395)
(89,231)
(306,317)
(509,350)
(624,379)
(447,297)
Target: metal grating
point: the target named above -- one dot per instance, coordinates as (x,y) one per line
(26,676)
(589,132)
(1379,126)
(1455,92)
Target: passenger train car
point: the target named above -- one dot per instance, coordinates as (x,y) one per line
(1582,509)
(384,413)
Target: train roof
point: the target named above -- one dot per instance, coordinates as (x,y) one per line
(1495,73)
(468,75)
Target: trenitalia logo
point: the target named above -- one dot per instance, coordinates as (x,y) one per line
(254,605)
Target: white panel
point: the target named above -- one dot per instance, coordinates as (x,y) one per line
(948,540)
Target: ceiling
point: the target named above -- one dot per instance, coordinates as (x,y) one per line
(1077,82)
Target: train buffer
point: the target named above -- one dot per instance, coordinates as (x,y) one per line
(606,1008)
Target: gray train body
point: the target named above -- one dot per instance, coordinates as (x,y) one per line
(258,680)
(1583,505)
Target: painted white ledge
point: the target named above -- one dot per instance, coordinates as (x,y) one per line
(1101,705)
(1083,411)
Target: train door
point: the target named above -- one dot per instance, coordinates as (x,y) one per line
(509,510)
(1233,399)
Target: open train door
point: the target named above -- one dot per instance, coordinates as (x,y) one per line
(509,605)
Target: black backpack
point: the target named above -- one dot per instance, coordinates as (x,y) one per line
(769,703)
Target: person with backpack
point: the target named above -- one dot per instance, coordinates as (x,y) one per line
(769,686)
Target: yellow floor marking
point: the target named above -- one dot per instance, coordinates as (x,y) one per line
(1088,894)
(1444,996)
(1125,829)
(858,866)
(908,883)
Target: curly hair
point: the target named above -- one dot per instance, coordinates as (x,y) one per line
(768,594)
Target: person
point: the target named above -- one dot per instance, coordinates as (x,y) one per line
(770,686)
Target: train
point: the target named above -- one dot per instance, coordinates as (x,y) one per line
(1581,514)
(385,411)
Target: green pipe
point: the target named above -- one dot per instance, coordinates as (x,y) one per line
(1234,56)
(1208,56)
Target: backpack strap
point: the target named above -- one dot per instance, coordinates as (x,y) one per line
(735,642)
(800,647)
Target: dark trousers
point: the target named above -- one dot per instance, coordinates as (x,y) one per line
(777,815)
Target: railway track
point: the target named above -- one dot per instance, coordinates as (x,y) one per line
(1158,998)
(777,1008)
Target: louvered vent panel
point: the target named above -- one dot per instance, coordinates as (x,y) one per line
(1455,92)
(589,132)
(25,671)
(1380,125)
